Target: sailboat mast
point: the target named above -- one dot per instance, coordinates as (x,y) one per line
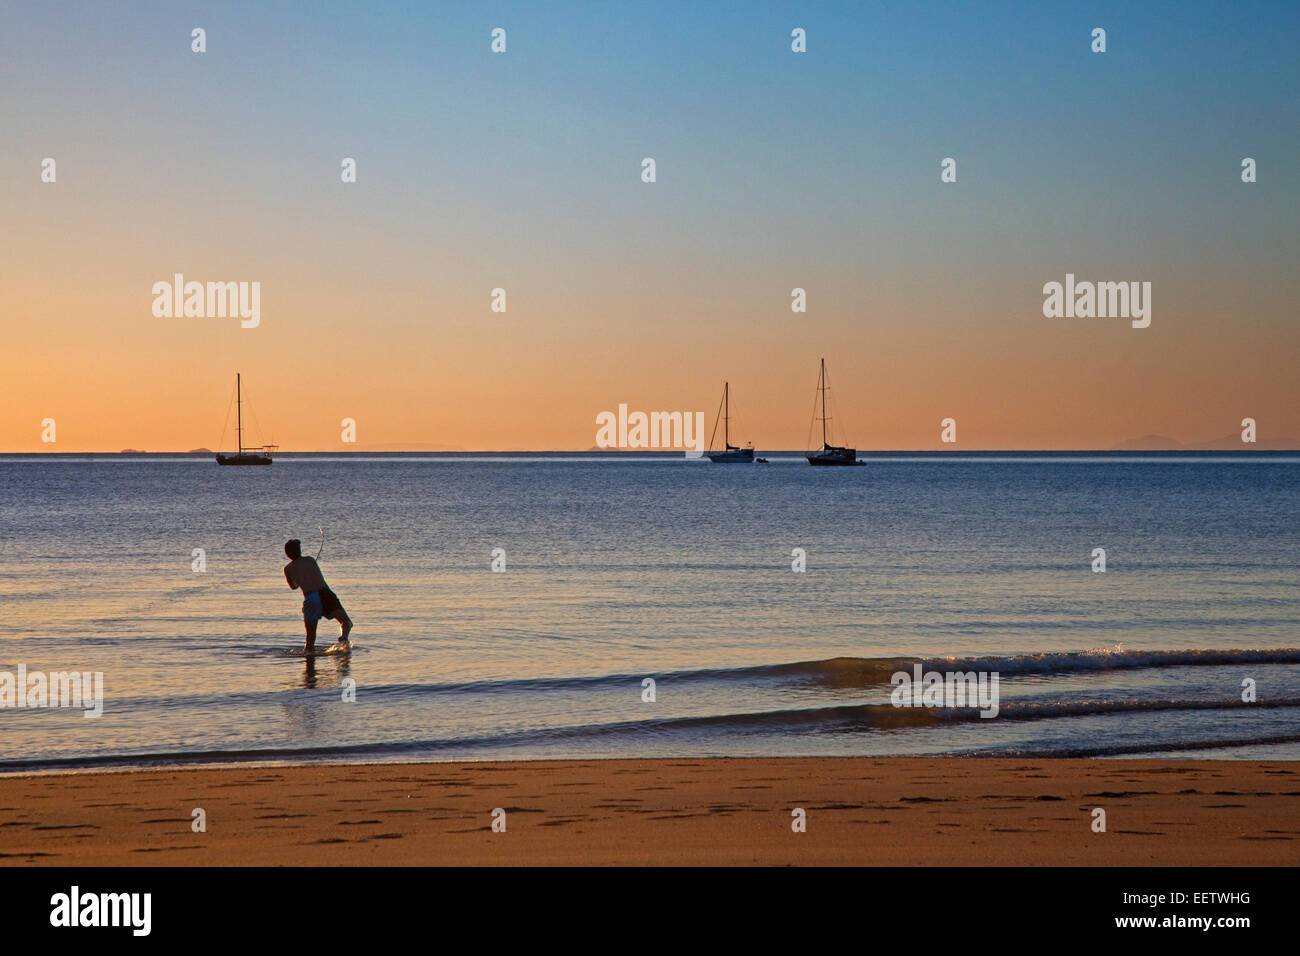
(823,390)
(726,414)
(239,414)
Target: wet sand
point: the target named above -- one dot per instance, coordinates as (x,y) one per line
(859,811)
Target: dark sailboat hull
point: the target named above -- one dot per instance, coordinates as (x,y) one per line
(818,461)
(831,455)
(243,460)
(733,456)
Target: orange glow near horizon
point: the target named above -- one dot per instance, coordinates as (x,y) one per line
(112,376)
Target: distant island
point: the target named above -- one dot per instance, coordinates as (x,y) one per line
(133,451)
(1227,443)
(393,446)
(199,451)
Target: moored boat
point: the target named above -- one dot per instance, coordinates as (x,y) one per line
(730,454)
(830,454)
(245,456)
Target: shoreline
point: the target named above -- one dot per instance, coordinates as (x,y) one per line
(118,765)
(662,811)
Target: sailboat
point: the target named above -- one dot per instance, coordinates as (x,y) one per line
(830,454)
(730,454)
(249,456)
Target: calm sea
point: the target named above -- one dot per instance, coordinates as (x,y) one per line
(622,568)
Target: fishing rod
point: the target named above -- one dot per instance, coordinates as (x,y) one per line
(321,529)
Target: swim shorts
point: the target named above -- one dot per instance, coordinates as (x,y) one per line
(318,604)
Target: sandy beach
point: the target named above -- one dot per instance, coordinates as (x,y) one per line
(859,811)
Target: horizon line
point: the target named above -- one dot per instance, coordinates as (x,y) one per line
(1294,446)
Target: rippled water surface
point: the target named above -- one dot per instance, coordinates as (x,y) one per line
(619,569)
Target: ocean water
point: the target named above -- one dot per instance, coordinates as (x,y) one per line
(620,568)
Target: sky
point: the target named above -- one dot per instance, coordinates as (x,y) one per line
(522,170)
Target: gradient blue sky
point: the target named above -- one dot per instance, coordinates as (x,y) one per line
(774,171)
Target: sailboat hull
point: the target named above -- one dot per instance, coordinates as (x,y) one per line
(819,461)
(243,460)
(733,456)
(831,455)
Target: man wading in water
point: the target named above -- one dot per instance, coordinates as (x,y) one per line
(318,600)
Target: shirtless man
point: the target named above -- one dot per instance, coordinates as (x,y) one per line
(318,600)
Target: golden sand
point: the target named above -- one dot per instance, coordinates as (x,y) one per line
(858,811)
